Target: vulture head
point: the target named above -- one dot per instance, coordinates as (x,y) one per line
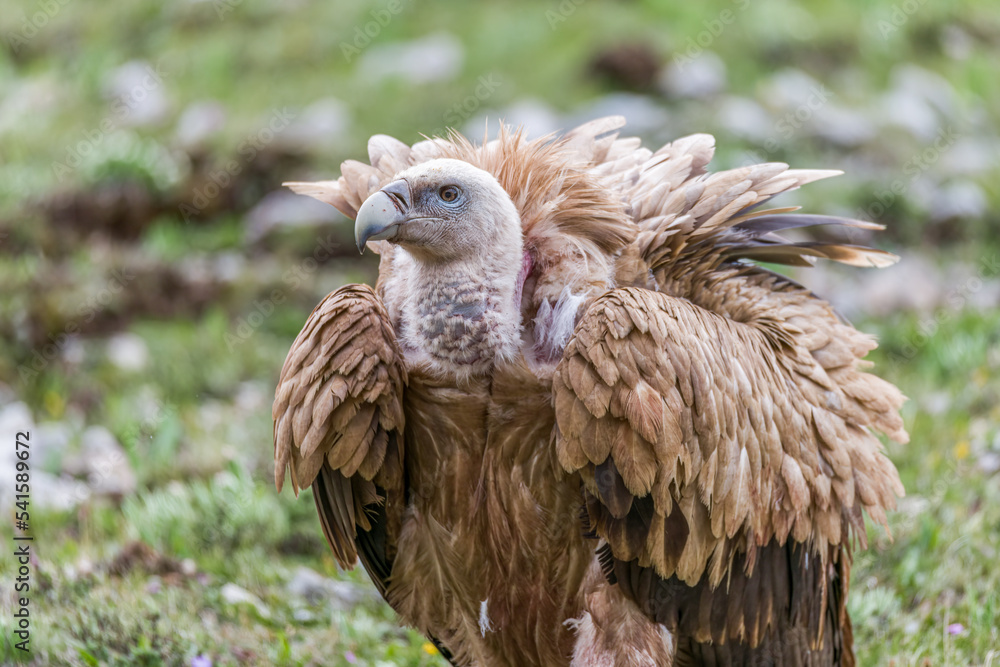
(442,211)
(459,243)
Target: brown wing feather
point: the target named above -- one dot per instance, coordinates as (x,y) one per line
(726,438)
(338,424)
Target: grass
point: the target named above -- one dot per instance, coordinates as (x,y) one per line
(938,570)
(195,422)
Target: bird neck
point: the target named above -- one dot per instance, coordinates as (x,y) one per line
(463,316)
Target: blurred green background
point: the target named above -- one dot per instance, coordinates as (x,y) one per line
(153,275)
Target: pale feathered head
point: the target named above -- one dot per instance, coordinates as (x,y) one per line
(441,210)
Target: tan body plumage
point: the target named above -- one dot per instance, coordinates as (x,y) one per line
(571,425)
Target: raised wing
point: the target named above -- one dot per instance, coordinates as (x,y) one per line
(705,443)
(338,425)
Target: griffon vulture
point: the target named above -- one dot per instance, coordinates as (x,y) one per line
(575,423)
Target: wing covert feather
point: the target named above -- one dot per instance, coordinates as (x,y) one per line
(696,414)
(338,419)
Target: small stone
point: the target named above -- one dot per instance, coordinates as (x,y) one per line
(314,588)
(644,115)
(137,89)
(285,208)
(251,396)
(53,440)
(920,101)
(970,156)
(937,402)
(303,616)
(57,493)
(237,595)
(697,78)
(957,43)
(16,417)
(958,200)
(228,266)
(7,395)
(128,352)
(535,116)
(792,88)
(989,463)
(309,584)
(108,469)
(745,118)
(436,57)
(323,126)
(843,126)
(199,122)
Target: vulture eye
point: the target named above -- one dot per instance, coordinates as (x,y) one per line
(449,193)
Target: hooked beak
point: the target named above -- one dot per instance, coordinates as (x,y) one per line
(382,214)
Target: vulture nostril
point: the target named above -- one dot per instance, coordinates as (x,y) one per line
(399,192)
(399,201)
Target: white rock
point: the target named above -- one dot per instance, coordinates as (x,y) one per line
(107,467)
(229,266)
(57,493)
(537,118)
(252,396)
(29,100)
(324,125)
(643,115)
(314,587)
(128,352)
(791,88)
(199,122)
(970,156)
(697,78)
(919,101)
(745,118)
(137,93)
(285,208)
(15,417)
(236,595)
(957,43)
(960,199)
(989,463)
(73,351)
(52,442)
(843,126)
(436,57)
(7,395)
